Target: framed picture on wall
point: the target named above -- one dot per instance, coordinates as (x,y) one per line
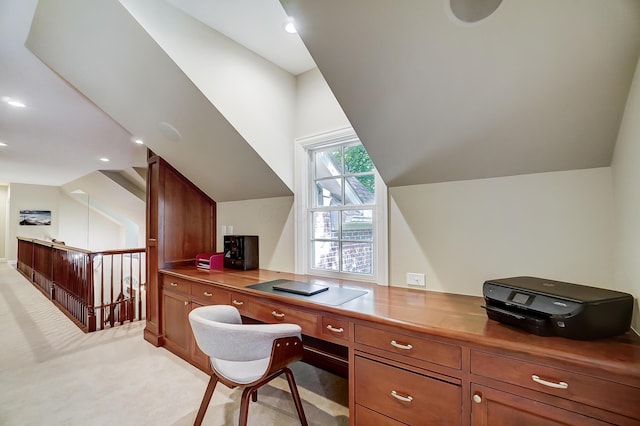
(35,217)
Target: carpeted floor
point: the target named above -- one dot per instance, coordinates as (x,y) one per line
(51,373)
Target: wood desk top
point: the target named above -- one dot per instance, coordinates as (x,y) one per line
(445,315)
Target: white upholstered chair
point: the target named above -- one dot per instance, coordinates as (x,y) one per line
(245,355)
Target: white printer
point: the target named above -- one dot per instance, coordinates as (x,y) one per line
(546,307)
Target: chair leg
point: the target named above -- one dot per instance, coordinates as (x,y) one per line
(296,396)
(254,396)
(206,399)
(244,406)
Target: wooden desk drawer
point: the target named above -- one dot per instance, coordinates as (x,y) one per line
(577,387)
(415,347)
(176,284)
(365,417)
(335,327)
(274,313)
(406,396)
(240,301)
(210,295)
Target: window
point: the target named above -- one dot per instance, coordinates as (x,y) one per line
(343,233)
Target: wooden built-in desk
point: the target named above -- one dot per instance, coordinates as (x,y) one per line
(419,357)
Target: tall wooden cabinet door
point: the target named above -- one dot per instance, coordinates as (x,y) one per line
(175,322)
(491,407)
(199,357)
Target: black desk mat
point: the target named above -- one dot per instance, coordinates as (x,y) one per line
(334,296)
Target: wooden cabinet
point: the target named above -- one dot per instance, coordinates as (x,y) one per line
(179,297)
(198,357)
(492,407)
(271,312)
(175,322)
(175,233)
(334,328)
(206,294)
(420,348)
(405,395)
(366,416)
(511,390)
(241,302)
(398,378)
(403,374)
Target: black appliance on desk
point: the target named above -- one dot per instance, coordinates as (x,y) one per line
(241,252)
(547,308)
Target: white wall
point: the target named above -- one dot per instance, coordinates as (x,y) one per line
(31,197)
(317,109)
(87,228)
(68,220)
(552,225)
(626,184)
(255,96)
(4,194)
(271,219)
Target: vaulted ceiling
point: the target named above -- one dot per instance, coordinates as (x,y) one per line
(539,85)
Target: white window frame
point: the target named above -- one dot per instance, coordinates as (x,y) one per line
(303,199)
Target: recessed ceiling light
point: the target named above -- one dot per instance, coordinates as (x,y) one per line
(13,102)
(104,159)
(138,141)
(289,26)
(3,144)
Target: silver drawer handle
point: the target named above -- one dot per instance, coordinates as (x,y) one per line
(206,293)
(559,385)
(235,302)
(399,397)
(401,346)
(174,285)
(277,315)
(335,330)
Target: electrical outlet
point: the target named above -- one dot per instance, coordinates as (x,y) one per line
(415,279)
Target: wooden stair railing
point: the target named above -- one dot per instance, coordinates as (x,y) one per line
(82,284)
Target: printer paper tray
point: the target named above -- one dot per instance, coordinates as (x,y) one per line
(532,323)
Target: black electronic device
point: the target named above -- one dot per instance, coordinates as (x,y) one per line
(241,252)
(555,308)
(298,287)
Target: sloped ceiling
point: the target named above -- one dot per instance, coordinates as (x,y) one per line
(104,53)
(538,86)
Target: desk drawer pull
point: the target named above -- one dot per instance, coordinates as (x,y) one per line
(237,303)
(559,385)
(206,293)
(399,397)
(173,284)
(401,346)
(277,315)
(335,330)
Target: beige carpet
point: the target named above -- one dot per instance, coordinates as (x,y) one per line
(51,373)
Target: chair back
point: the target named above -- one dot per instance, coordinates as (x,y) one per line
(220,334)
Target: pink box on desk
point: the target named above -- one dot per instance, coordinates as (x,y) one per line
(210,260)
